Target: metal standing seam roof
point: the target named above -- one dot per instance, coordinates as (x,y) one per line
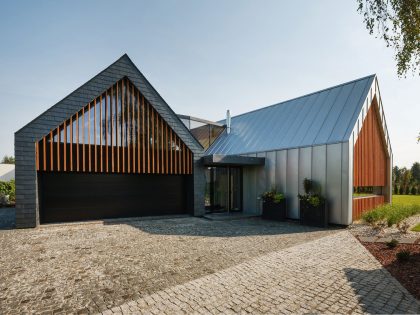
(321,117)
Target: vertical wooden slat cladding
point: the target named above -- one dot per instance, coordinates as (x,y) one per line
(370,157)
(364,204)
(121,122)
(98,196)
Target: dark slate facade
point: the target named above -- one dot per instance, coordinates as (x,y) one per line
(27,208)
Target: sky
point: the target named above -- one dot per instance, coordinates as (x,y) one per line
(203,57)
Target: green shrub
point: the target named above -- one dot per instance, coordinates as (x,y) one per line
(391,214)
(414,190)
(272,196)
(8,188)
(392,243)
(403,255)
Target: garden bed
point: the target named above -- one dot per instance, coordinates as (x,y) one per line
(407,273)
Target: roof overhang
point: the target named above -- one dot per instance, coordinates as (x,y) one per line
(232,160)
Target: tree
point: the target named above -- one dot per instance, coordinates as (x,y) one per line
(8,160)
(414,190)
(396,174)
(406,180)
(401,190)
(415,172)
(397,22)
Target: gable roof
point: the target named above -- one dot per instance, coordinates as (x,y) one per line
(323,117)
(79,98)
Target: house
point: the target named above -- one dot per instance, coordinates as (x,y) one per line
(114,148)
(7,172)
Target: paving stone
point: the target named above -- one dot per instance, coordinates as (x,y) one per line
(101,265)
(407,240)
(359,278)
(190,265)
(368,239)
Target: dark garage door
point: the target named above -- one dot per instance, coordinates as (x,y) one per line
(72,197)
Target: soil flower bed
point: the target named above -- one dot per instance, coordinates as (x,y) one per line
(407,273)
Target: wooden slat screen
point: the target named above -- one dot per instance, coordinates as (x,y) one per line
(117,132)
(363,204)
(370,158)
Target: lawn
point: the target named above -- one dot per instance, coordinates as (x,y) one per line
(416,228)
(406,200)
(403,206)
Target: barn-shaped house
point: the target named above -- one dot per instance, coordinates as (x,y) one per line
(114,148)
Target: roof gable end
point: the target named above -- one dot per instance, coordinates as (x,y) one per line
(123,67)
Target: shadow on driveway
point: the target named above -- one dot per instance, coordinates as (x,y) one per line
(380,293)
(193,226)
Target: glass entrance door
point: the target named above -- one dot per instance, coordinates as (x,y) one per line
(223,189)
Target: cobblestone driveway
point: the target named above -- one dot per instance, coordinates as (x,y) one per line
(93,267)
(334,274)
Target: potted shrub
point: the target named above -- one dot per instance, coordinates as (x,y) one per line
(313,207)
(274,205)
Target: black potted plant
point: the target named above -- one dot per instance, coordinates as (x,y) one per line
(274,205)
(313,206)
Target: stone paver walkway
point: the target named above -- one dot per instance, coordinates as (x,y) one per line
(91,267)
(334,274)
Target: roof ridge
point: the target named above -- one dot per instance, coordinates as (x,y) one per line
(124,56)
(305,95)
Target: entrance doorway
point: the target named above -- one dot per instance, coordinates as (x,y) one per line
(223,189)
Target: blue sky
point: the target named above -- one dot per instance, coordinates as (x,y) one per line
(202,56)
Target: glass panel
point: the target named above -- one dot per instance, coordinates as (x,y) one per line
(135,113)
(124,117)
(62,134)
(80,121)
(98,120)
(103,120)
(113,117)
(55,135)
(68,131)
(220,182)
(86,126)
(119,131)
(92,123)
(74,129)
(223,190)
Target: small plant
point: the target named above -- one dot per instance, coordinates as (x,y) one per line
(310,196)
(392,243)
(316,200)
(272,196)
(307,185)
(403,255)
(8,189)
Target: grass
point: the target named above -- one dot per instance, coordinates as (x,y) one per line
(406,199)
(403,206)
(416,228)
